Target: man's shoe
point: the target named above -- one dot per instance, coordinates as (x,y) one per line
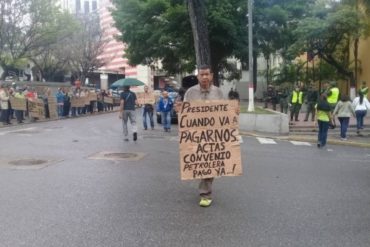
(135,136)
(205,202)
(126,139)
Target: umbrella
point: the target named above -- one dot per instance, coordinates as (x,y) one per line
(127,82)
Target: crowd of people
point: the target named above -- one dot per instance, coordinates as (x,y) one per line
(60,102)
(323,106)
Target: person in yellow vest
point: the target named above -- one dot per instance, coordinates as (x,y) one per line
(324,118)
(333,95)
(296,100)
(364,89)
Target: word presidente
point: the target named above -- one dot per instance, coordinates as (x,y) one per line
(187,108)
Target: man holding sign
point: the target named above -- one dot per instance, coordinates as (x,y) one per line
(208,126)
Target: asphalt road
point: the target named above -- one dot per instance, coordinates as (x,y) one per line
(291,194)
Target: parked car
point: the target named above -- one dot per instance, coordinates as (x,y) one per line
(172,96)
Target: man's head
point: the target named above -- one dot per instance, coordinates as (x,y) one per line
(126,88)
(364,83)
(205,76)
(146,88)
(165,94)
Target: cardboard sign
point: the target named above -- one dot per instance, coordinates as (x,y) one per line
(145,98)
(36,108)
(77,101)
(209,139)
(53,107)
(18,104)
(40,90)
(108,100)
(93,96)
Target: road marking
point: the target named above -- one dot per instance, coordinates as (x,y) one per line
(266,140)
(300,143)
(15,131)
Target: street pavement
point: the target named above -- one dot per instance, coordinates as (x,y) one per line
(76,194)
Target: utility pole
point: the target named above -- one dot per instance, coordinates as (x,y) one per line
(250,56)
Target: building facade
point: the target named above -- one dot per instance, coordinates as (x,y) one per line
(80,6)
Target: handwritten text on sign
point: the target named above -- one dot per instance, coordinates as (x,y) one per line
(209,139)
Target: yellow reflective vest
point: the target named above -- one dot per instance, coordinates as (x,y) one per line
(365,91)
(297,97)
(334,96)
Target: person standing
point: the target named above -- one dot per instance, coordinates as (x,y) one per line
(344,111)
(4,104)
(148,108)
(324,116)
(311,100)
(364,89)
(296,100)
(204,90)
(60,102)
(333,95)
(127,111)
(165,106)
(360,104)
(28,72)
(271,96)
(19,114)
(283,94)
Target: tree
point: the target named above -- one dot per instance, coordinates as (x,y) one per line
(26,27)
(166,26)
(328,34)
(85,46)
(200,31)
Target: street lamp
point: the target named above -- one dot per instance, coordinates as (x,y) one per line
(250,57)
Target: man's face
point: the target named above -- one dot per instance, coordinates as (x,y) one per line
(146,89)
(165,94)
(205,78)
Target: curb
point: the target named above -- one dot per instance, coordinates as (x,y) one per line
(311,139)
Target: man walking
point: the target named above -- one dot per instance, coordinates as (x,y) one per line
(127,111)
(205,90)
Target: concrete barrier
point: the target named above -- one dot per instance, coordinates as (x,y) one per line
(276,123)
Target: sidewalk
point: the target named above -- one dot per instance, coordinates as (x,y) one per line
(306,131)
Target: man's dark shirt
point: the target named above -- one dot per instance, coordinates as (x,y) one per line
(129,99)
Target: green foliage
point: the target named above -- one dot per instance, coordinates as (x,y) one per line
(161,30)
(328,34)
(27,27)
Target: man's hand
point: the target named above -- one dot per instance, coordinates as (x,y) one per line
(178,106)
(120,115)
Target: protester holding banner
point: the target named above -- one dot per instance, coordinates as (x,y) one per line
(19,113)
(148,108)
(205,90)
(127,111)
(4,104)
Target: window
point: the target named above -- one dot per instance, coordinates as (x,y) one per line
(86,7)
(78,6)
(94,5)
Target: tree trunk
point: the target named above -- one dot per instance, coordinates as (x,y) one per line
(255,57)
(353,84)
(197,14)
